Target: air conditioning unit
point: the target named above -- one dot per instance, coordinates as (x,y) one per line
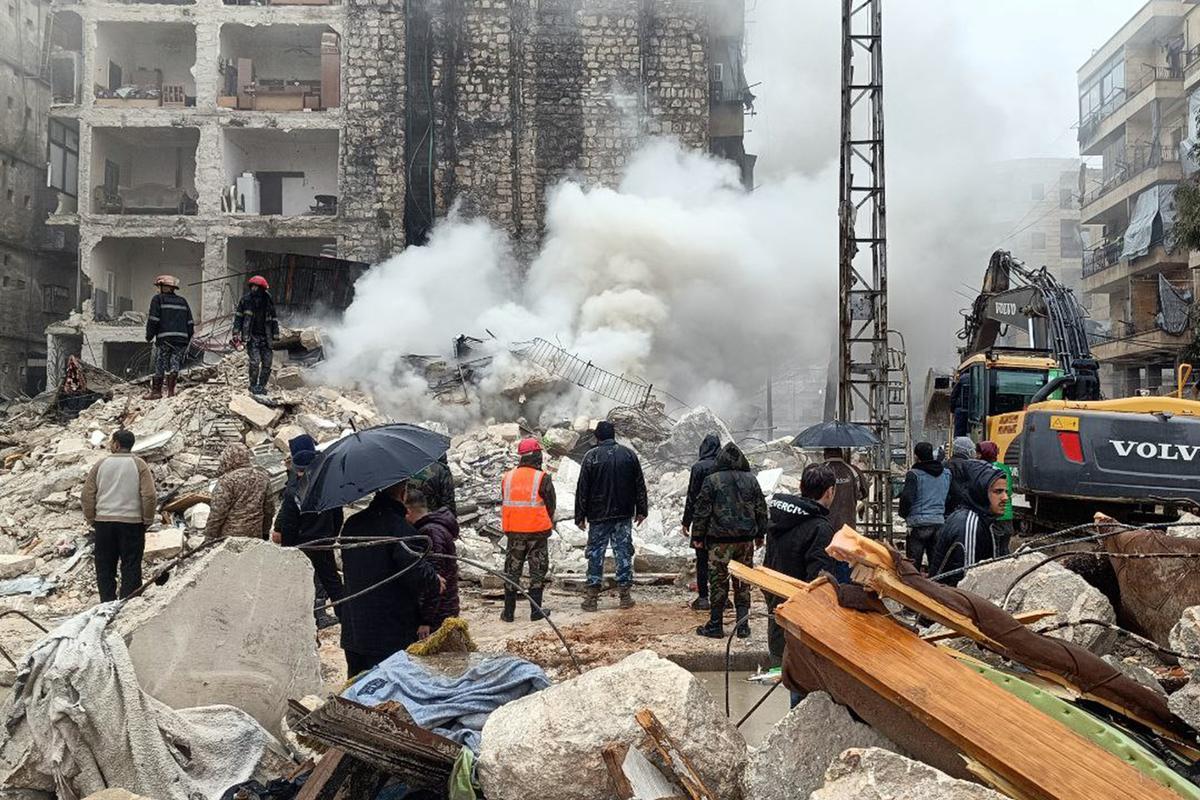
(64,77)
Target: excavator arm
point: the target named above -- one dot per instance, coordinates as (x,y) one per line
(1038,303)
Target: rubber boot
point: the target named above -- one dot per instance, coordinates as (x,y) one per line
(626,598)
(701,604)
(714,628)
(591,598)
(156,387)
(171,381)
(743,628)
(534,614)
(510,606)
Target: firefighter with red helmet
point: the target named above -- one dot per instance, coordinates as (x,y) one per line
(527,518)
(169,325)
(254,323)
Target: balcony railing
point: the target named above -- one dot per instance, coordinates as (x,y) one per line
(1101,258)
(1133,162)
(1119,97)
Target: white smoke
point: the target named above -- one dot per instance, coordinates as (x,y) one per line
(676,277)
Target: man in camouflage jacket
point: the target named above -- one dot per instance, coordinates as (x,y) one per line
(730,518)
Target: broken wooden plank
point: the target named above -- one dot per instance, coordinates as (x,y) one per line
(1035,754)
(680,764)
(384,740)
(633,777)
(1024,617)
(873,567)
(767,579)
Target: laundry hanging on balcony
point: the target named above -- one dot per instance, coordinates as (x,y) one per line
(1175,307)
(1153,219)
(1190,164)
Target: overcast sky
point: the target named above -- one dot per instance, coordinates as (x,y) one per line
(966,82)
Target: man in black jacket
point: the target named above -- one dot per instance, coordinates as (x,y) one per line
(254,323)
(609,496)
(293,528)
(700,470)
(731,516)
(386,619)
(966,538)
(170,326)
(797,537)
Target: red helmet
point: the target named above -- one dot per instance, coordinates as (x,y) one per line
(527,446)
(259,280)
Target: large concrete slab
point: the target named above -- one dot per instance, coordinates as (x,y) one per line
(234,625)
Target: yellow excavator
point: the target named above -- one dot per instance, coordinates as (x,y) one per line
(1072,452)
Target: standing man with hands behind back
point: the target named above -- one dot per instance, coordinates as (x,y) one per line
(119,501)
(610,496)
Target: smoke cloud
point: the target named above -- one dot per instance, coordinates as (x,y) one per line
(676,277)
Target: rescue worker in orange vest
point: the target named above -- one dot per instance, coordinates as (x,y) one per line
(527,517)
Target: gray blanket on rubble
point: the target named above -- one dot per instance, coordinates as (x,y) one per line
(454,707)
(78,722)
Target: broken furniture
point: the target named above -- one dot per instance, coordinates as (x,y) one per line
(369,744)
(942,709)
(155,198)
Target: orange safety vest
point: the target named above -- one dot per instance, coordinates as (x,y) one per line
(522,509)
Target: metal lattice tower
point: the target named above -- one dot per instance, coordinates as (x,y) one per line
(862,211)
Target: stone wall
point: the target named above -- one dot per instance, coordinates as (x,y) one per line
(530,92)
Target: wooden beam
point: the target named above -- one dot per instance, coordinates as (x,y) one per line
(1034,754)
(1024,617)
(874,568)
(633,777)
(673,756)
(767,579)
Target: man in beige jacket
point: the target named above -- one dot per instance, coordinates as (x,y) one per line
(119,500)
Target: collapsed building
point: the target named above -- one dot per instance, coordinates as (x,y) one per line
(208,131)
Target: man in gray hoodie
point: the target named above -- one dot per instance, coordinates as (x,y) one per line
(119,500)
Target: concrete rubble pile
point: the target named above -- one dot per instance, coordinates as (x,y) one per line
(43,534)
(480,457)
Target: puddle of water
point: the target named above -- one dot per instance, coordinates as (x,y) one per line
(742,696)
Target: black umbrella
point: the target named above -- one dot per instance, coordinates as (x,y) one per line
(836,434)
(367,461)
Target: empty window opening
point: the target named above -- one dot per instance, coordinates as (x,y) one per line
(144,64)
(279,68)
(272,172)
(144,170)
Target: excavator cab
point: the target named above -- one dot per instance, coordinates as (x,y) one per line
(994,390)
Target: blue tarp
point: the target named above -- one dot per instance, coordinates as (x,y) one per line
(454,707)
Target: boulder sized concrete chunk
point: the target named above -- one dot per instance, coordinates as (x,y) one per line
(792,760)
(876,774)
(232,626)
(1051,586)
(12,566)
(166,543)
(254,412)
(548,744)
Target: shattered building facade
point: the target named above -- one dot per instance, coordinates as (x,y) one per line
(209,130)
(37,263)
(1139,95)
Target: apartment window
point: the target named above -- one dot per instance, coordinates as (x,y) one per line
(9,101)
(9,195)
(1069,241)
(1066,199)
(1104,89)
(27,199)
(1037,191)
(12,10)
(7,258)
(4,282)
(55,299)
(1037,241)
(64,158)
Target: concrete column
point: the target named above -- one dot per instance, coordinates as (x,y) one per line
(210,169)
(208,53)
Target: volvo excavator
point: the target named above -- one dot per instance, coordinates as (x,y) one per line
(1029,383)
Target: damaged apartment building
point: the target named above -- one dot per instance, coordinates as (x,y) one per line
(37,263)
(214,134)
